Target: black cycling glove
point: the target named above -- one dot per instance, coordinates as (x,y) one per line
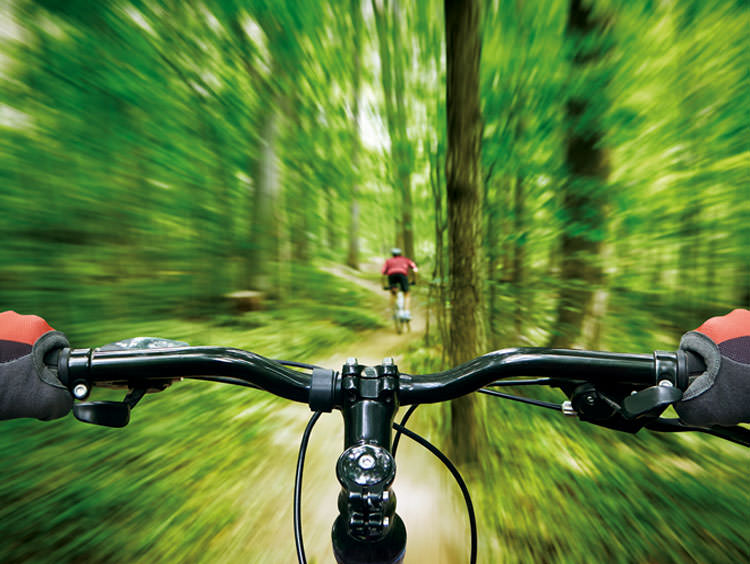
(721,394)
(28,388)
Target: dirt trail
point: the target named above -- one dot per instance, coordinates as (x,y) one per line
(435,521)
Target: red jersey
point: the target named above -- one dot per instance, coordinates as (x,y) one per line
(398,265)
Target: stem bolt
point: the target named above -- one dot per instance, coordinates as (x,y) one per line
(366,462)
(351,361)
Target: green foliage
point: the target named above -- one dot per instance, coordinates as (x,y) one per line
(92,494)
(132,161)
(671,107)
(606,496)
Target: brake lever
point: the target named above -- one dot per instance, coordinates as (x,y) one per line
(619,411)
(109,413)
(651,401)
(738,435)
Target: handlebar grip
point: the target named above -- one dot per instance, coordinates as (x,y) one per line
(695,364)
(58,360)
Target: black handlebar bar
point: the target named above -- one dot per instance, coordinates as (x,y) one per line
(562,364)
(209,363)
(93,366)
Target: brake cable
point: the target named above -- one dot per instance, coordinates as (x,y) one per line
(404,419)
(545,381)
(295,364)
(401,429)
(298,542)
(461,484)
(538,403)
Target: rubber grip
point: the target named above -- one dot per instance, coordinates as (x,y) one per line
(695,364)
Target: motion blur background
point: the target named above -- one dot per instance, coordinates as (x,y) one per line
(156,157)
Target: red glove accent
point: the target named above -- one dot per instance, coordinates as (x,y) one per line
(730,326)
(22,328)
(731,333)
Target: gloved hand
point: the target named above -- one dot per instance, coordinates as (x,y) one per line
(721,394)
(28,388)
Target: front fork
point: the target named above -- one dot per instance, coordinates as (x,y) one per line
(368,530)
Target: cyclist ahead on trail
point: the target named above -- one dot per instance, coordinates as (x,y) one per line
(397,270)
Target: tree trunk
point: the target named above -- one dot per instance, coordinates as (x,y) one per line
(265,227)
(407,216)
(330,221)
(689,252)
(437,285)
(300,220)
(492,244)
(519,248)
(352,258)
(583,195)
(392,76)
(464,202)
(741,281)
(688,192)
(404,161)
(302,194)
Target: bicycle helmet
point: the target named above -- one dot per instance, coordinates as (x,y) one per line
(395,251)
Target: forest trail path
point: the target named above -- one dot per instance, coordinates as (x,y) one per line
(435,520)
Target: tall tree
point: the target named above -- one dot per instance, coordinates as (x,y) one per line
(352,258)
(283,31)
(464,209)
(265,229)
(583,194)
(404,160)
(388,23)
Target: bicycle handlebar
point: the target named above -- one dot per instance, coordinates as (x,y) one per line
(94,367)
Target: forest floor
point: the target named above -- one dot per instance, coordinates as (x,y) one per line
(435,521)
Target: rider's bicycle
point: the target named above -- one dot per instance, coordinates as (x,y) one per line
(625,392)
(401,317)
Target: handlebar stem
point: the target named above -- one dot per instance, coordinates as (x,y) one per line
(366,468)
(369,404)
